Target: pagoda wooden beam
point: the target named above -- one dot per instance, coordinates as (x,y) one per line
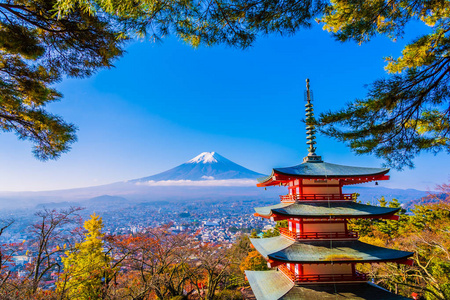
(326,219)
(321,185)
(392,217)
(275,217)
(273,263)
(261,216)
(408,262)
(281,179)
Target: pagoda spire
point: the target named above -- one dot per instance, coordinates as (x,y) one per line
(310,128)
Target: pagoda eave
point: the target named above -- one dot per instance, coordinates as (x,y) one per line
(279,179)
(276,262)
(274,285)
(281,217)
(325,210)
(283,249)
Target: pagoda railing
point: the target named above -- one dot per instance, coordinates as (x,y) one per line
(317,235)
(323,197)
(296,278)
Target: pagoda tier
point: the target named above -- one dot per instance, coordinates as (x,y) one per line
(317,247)
(324,209)
(314,171)
(281,249)
(274,285)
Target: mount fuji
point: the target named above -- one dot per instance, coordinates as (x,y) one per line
(207,176)
(205,166)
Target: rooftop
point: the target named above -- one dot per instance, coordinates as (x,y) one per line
(325,209)
(320,169)
(273,285)
(283,249)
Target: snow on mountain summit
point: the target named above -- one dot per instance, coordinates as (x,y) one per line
(205,157)
(205,166)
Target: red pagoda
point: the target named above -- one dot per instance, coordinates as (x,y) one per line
(316,256)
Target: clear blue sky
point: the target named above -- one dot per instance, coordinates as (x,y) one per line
(165,103)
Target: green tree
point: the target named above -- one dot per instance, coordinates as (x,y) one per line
(276,231)
(254,261)
(425,232)
(407,112)
(402,115)
(235,23)
(38,48)
(374,228)
(88,269)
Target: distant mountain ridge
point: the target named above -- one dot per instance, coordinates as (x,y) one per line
(207,176)
(372,194)
(205,166)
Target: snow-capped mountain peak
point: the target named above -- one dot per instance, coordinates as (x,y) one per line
(205,157)
(205,166)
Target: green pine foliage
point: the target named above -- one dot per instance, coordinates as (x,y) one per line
(235,23)
(403,114)
(37,49)
(407,112)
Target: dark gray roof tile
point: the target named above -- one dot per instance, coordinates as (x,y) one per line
(273,285)
(283,249)
(325,209)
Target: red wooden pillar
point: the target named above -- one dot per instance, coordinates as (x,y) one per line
(300,185)
(346,227)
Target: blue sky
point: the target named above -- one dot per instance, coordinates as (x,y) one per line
(165,103)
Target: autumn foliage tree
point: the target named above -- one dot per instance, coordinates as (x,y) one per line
(6,252)
(157,263)
(213,267)
(253,262)
(426,233)
(88,270)
(47,237)
(53,229)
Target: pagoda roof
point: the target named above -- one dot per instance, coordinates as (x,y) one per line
(325,209)
(320,169)
(274,285)
(269,285)
(283,249)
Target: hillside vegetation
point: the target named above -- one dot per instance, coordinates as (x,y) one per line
(71,259)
